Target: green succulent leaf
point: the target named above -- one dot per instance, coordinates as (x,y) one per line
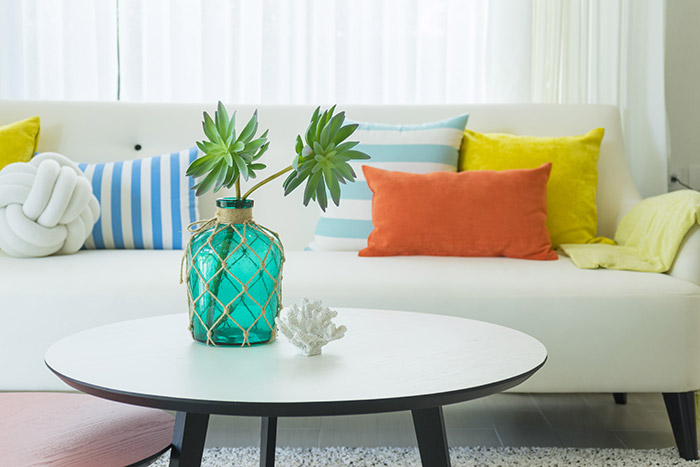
(325,136)
(206,146)
(333,127)
(236,147)
(250,128)
(254,145)
(231,129)
(343,133)
(337,159)
(222,119)
(203,163)
(210,129)
(310,190)
(321,194)
(328,175)
(292,176)
(297,177)
(333,186)
(311,130)
(206,183)
(222,171)
(346,171)
(352,154)
(242,167)
(247,157)
(348,145)
(319,126)
(231,176)
(261,151)
(338,175)
(291,183)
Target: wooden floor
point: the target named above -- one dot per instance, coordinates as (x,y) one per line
(546,420)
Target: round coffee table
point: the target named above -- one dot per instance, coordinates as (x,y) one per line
(388,361)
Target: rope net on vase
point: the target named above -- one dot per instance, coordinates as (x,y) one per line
(244,232)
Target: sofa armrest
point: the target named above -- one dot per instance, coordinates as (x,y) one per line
(687,263)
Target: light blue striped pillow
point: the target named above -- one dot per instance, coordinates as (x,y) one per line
(422,148)
(145,203)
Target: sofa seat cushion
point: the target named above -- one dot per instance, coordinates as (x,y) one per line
(605,331)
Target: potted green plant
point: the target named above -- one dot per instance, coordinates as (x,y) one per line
(234,265)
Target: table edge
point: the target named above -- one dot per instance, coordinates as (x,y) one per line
(299,409)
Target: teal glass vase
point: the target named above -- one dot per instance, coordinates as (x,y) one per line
(234,274)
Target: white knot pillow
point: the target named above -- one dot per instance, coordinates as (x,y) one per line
(46,207)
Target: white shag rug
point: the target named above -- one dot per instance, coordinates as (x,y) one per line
(461,457)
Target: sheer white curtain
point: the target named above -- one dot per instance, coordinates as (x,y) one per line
(266,51)
(608,52)
(349,51)
(58,49)
(309,51)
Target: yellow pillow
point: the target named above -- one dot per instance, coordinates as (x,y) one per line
(572,216)
(18,141)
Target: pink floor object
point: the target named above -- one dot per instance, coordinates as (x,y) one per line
(77,430)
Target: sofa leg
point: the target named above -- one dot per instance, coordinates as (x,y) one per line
(681,411)
(620,398)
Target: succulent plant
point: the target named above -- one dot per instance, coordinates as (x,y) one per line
(323,159)
(226,158)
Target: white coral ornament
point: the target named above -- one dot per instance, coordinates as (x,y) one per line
(308,326)
(46,207)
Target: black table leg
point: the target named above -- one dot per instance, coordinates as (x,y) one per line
(188,439)
(268,440)
(432,441)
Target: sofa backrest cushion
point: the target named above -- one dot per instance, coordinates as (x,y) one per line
(107,131)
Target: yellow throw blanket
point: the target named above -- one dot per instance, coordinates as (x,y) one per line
(647,238)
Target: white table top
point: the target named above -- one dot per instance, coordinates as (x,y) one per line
(384,356)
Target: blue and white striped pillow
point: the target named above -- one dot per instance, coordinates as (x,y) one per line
(422,148)
(145,203)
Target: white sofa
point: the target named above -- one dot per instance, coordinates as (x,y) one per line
(605,331)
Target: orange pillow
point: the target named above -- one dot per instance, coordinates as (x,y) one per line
(472,213)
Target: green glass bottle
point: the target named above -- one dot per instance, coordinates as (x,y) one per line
(234,278)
